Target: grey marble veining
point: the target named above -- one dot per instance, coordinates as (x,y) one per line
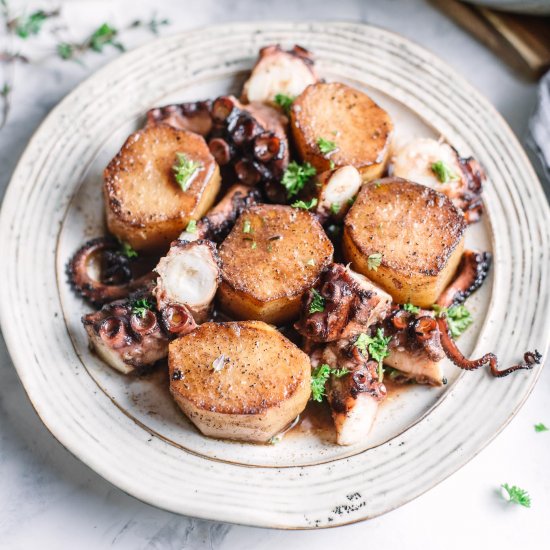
(48,499)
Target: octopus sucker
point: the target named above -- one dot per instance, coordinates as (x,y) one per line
(115,279)
(192,116)
(471,273)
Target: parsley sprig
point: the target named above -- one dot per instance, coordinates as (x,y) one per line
(319,378)
(140,307)
(306,205)
(26,26)
(443,172)
(127,250)
(377,348)
(541,428)
(374,261)
(411,308)
(296,176)
(317,303)
(191,226)
(284,101)
(185,169)
(326,146)
(458,318)
(516,495)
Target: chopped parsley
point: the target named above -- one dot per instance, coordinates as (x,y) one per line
(541,427)
(191,226)
(185,169)
(296,176)
(458,318)
(103,36)
(284,101)
(317,303)
(411,308)
(377,348)
(140,307)
(319,378)
(127,250)
(253,245)
(311,262)
(374,261)
(443,172)
(351,200)
(516,495)
(335,207)
(247,227)
(305,205)
(326,146)
(331,164)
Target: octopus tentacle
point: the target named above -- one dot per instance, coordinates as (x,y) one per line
(192,116)
(115,280)
(489,359)
(470,275)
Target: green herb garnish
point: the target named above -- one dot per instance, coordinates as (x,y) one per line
(331,164)
(319,378)
(411,308)
(127,250)
(305,205)
(335,207)
(317,303)
(32,24)
(374,261)
(140,307)
(103,36)
(326,146)
(311,262)
(458,318)
(185,169)
(541,428)
(443,172)
(247,227)
(296,176)
(191,226)
(516,495)
(253,245)
(377,348)
(284,102)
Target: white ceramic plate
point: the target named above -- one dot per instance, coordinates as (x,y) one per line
(128,430)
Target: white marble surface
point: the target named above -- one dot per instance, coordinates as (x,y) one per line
(48,499)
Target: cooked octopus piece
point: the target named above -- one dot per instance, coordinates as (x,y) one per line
(273,255)
(415,346)
(341,305)
(279,72)
(220,219)
(335,191)
(160,180)
(189,275)
(354,397)
(113,276)
(249,141)
(405,237)
(334,125)
(127,337)
(192,116)
(241,381)
(439,166)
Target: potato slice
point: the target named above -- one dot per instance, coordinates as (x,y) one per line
(145,205)
(360,130)
(242,380)
(271,257)
(416,234)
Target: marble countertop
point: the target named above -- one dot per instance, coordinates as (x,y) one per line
(51,500)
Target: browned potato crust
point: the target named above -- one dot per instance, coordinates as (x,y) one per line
(240,380)
(335,112)
(267,269)
(145,205)
(418,231)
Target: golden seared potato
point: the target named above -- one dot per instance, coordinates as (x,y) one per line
(271,257)
(334,125)
(405,237)
(146,206)
(240,380)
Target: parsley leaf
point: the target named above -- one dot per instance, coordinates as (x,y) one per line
(140,307)
(326,146)
(103,36)
(127,250)
(377,348)
(374,261)
(541,427)
(443,172)
(305,205)
(247,227)
(191,226)
(516,495)
(335,207)
(185,169)
(458,318)
(65,50)
(317,303)
(32,24)
(284,101)
(411,308)
(319,378)
(296,176)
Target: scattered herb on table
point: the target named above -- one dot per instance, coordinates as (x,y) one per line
(516,495)
(541,427)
